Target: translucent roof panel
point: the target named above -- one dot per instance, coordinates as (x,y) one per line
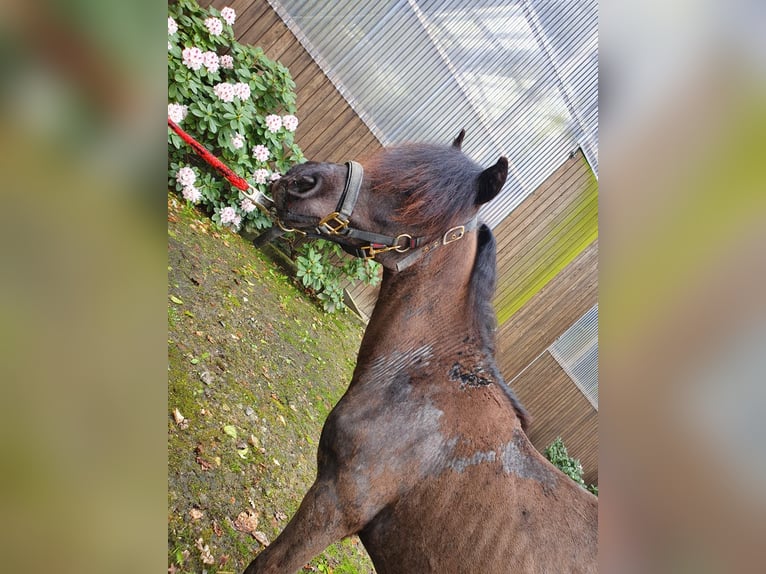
(576,350)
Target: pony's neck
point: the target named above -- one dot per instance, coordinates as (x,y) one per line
(426,305)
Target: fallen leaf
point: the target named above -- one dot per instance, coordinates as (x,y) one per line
(217,528)
(279,515)
(204,550)
(203,463)
(253,440)
(261,538)
(242,452)
(230,430)
(196,513)
(181,421)
(176,300)
(246,521)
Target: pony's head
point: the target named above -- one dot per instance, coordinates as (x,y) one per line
(412,193)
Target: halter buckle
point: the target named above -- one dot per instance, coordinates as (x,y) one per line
(373,249)
(333,224)
(453,234)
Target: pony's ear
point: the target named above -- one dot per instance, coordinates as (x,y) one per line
(458,141)
(491,181)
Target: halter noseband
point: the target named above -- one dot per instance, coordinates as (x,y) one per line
(336,227)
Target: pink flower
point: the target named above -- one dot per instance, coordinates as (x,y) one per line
(230,217)
(247,206)
(275,176)
(214,26)
(242,90)
(290,123)
(227,62)
(186,176)
(228,15)
(177,112)
(261,153)
(192,194)
(224,91)
(273,122)
(237,141)
(172,26)
(192,58)
(260,175)
(210,59)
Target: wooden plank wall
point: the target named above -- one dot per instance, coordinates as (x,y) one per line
(544,285)
(545,389)
(328,128)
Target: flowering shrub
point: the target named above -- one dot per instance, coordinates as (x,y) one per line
(241,106)
(234,101)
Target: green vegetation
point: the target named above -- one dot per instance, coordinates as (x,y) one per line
(558,455)
(254,367)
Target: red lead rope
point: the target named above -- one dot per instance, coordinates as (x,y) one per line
(234,179)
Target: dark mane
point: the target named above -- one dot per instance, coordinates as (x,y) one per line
(440,182)
(483,279)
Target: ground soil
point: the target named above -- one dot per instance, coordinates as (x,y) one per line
(254,367)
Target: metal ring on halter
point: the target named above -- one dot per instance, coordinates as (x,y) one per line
(260,199)
(286,229)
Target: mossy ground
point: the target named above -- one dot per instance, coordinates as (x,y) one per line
(254,367)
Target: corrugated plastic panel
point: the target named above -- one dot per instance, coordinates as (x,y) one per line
(520,76)
(576,350)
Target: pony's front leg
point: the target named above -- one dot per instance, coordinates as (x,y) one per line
(318,523)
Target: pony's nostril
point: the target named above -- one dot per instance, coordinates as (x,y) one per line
(304,185)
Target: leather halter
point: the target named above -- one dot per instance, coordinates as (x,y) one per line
(336,227)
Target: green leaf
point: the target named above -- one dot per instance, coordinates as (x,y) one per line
(230,430)
(176,300)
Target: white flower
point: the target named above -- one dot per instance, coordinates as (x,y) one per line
(260,175)
(242,90)
(230,217)
(210,59)
(186,176)
(224,91)
(290,123)
(172,26)
(192,58)
(273,122)
(177,112)
(237,141)
(261,153)
(246,205)
(214,26)
(275,176)
(170,46)
(191,193)
(227,62)
(228,15)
